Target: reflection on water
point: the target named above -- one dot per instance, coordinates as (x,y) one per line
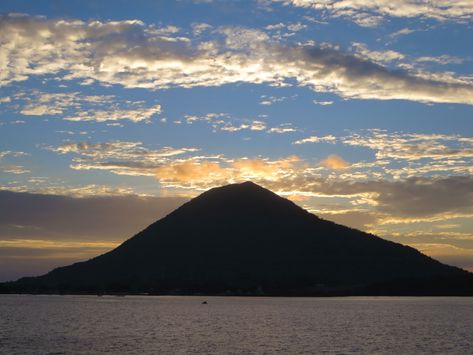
(133,324)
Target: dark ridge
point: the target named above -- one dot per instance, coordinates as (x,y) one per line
(242,239)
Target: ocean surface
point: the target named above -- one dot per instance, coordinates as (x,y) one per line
(237,325)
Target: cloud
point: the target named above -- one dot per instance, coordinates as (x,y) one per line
(42,185)
(366,204)
(14,169)
(370,13)
(426,197)
(415,198)
(74,106)
(399,184)
(215,118)
(442,59)
(412,146)
(283,31)
(10,153)
(323,103)
(190,172)
(53,244)
(200,28)
(414,177)
(252,126)
(294,27)
(316,139)
(90,218)
(40,103)
(119,157)
(134,55)
(134,115)
(283,128)
(400,155)
(334,162)
(175,167)
(227,123)
(379,57)
(39,232)
(205,174)
(262,168)
(402,32)
(270,100)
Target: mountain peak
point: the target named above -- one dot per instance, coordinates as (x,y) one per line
(246,198)
(247,190)
(250,184)
(247,186)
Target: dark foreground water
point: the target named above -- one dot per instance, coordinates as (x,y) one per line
(91,324)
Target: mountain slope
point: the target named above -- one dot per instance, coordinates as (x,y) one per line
(244,239)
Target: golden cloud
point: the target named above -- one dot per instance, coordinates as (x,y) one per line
(191,171)
(214,173)
(334,162)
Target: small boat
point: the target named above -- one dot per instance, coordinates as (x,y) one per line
(205,302)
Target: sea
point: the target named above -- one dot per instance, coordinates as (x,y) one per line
(33,324)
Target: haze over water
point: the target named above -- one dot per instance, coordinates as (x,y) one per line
(239,325)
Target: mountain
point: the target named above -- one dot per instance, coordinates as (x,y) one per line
(243,239)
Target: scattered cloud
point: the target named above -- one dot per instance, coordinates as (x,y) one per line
(227,123)
(119,157)
(205,174)
(323,103)
(74,106)
(398,183)
(371,13)
(9,168)
(255,125)
(293,27)
(41,185)
(380,57)
(10,153)
(316,139)
(14,169)
(442,59)
(101,51)
(334,162)
(54,244)
(270,100)
(190,172)
(200,28)
(400,155)
(283,31)
(412,146)
(402,32)
(283,128)
(134,115)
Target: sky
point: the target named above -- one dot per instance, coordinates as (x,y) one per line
(114,113)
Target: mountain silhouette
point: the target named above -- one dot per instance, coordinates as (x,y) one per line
(242,239)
